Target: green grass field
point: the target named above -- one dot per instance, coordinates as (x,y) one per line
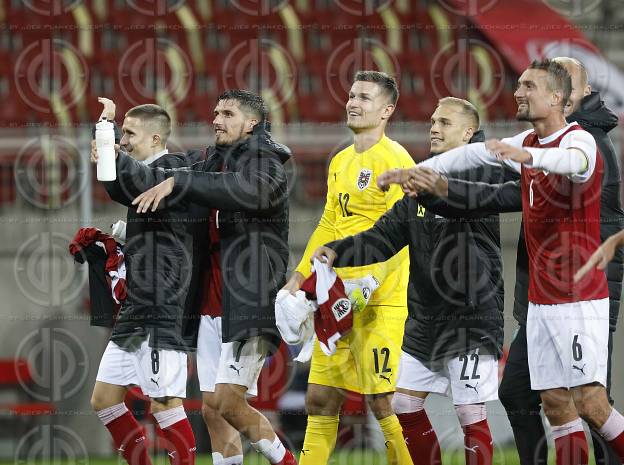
(506,457)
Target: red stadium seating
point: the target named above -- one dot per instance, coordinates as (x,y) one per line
(334,41)
(18,409)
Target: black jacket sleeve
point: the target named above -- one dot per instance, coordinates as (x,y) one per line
(259,185)
(467,198)
(377,244)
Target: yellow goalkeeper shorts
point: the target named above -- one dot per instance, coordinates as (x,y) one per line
(367,359)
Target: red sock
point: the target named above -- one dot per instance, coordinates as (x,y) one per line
(180,443)
(478,443)
(129,439)
(617,445)
(572,449)
(289,459)
(420,438)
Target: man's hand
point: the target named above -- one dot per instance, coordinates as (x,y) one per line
(294,283)
(504,151)
(324,255)
(395,176)
(108,111)
(426,180)
(153,196)
(94,155)
(602,256)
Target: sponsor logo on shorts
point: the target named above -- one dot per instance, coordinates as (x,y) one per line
(237,370)
(155,381)
(470,386)
(386,378)
(341,308)
(581,369)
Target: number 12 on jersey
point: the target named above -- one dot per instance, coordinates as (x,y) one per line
(343,200)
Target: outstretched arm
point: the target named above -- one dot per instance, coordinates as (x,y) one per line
(375,245)
(602,256)
(259,186)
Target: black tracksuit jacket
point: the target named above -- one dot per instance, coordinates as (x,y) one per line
(486,199)
(247,183)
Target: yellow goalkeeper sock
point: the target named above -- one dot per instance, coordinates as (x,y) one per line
(320,439)
(396,449)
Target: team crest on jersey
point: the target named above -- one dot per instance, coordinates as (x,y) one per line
(364,178)
(341,308)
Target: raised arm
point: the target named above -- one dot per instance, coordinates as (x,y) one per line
(461,159)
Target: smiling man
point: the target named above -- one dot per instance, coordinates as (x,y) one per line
(454,330)
(366,361)
(567,328)
(244,186)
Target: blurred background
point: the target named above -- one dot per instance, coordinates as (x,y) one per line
(58,56)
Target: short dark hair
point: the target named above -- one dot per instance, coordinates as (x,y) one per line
(558,77)
(153,113)
(467,108)
(383,80)
(248,101)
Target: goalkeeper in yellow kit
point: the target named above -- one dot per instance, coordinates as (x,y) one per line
(366,361)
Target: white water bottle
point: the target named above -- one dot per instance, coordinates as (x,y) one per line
(119,231)
(105,143)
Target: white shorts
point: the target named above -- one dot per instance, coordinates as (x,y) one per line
(208,352)
(158,372)
(227,363)
(469,378)
(568,344)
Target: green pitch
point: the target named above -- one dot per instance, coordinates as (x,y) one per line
(357,457)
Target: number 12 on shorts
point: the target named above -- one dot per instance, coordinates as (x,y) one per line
(385,354)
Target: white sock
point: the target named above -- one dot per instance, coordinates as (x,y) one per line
(109,414)
(404,403)
(217,459)
(273,451)
(169,417)
(569,428)
(613,427)
(470,414)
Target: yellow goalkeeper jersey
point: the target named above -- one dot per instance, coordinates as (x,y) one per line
(354,203)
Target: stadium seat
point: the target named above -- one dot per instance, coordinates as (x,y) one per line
(19,410)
